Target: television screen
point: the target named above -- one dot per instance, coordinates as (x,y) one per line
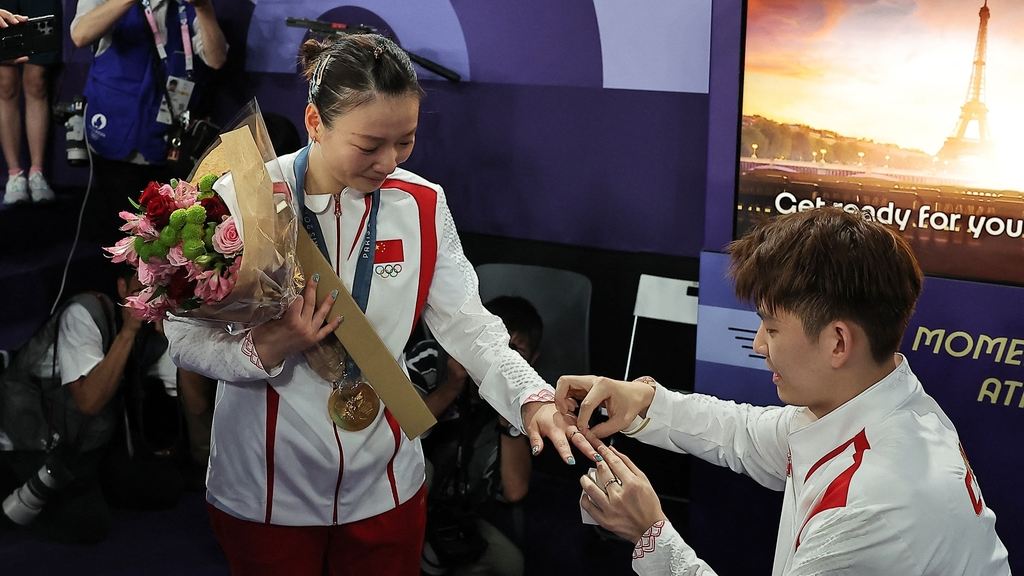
(908,111)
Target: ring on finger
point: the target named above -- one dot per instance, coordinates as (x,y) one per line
(610,482)
(574,433)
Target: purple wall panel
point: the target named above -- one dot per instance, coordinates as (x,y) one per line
(532,41)
(723,116)
(615,169)
(553,157)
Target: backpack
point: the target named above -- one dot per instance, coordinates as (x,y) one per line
(36,411)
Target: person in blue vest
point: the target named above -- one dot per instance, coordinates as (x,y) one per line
(140,48)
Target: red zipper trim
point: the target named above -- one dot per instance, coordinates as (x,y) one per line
(337,232)
(341,471)
(397,433)
(359,233)
(273,403)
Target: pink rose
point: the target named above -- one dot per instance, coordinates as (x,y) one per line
(176,257)
(156,272)
(146,275)
(124,251)
(226,239)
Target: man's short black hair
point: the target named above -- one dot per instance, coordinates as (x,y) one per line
(519,316)
(124,271)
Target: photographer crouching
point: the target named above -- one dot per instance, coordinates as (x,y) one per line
(89,420)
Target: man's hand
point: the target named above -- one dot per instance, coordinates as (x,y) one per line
(457,376)
(9,19)
(300,327)
(130,325)
(544,419)
(623,400)
(623,500)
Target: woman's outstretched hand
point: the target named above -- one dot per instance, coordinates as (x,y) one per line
(544,419)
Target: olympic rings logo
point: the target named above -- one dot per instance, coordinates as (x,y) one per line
(388,270)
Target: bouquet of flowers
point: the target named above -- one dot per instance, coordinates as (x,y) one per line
(185,244)
(220,247)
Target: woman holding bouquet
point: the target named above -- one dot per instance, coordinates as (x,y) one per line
(288,489)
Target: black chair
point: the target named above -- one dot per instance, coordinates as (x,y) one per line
(562,298)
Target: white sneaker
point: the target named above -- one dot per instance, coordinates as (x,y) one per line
(41,191)
(16,189)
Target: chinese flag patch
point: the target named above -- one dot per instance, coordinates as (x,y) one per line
(388,252)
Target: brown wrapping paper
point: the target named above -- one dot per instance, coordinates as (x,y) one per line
(268,227)
(364,345)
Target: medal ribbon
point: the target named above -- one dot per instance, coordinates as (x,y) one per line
(364,266)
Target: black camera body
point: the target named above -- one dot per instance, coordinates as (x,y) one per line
(72,114)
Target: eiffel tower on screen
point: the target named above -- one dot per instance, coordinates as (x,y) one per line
(959,145)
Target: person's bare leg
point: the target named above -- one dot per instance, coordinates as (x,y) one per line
(10,115)
(37,112)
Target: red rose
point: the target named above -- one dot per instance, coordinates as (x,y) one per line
(216,210)
(181,287)
(159,211)
(152,191)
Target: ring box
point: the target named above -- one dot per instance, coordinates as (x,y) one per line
(587,518)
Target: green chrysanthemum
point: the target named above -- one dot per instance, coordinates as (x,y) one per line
(195,214)
(178,219)
(192,231)
(206,183)
(193,249)
(170,235)
(208,240)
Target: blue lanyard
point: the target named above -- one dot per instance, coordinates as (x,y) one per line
(364,266)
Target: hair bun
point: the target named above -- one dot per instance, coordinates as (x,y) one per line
(309,54)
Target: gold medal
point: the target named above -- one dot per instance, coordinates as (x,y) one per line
(353,404)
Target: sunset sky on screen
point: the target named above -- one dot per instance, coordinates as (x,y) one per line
(893,71)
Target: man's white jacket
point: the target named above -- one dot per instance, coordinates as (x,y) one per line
(879,486)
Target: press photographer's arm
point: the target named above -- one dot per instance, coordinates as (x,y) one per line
(93,24)
(92,391)
(99,21)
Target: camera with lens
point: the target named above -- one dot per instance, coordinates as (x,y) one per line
(72,114)
(25,503)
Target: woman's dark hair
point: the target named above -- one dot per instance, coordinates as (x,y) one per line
(352,69)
